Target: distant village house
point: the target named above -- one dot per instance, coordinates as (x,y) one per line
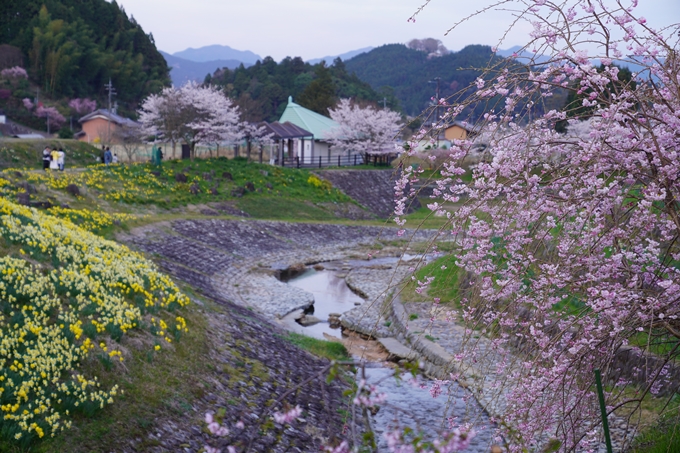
(101,126)
(444,139)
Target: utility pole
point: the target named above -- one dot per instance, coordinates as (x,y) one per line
(112,91)
(436,114)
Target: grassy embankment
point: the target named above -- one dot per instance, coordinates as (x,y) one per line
(133,368)
(19,153)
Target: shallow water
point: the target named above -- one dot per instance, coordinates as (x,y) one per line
(409,403)
(413,406)
(331,295)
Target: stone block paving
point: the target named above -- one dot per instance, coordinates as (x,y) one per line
(189,253)
(241,238)
(375,284)
(228,257)
(374,189)
(252,368)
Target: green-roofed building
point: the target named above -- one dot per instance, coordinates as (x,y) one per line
(319,125)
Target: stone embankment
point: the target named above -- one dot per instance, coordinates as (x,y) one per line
(234,263)
(374,189)
(238,262)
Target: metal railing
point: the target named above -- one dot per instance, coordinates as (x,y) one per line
(334,161)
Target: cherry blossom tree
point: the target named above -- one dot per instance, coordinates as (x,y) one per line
(367,130)
(52,116)
(83,106)
(16,72)
(571,263)
(130,137)
(256,134)
(193,114)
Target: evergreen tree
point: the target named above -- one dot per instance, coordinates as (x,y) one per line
(319,95)
(262,90)
(73,47)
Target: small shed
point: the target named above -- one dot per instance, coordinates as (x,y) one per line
(287,132)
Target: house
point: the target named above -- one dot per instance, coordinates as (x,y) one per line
(101,126)
(443,138)
(318,125)
(458,131)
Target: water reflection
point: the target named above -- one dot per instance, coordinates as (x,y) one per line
(331,295)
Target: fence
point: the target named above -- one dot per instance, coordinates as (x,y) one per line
(337,161)
(142,153)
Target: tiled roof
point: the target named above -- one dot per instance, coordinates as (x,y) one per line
(104,113)
(285,130)
(318,125)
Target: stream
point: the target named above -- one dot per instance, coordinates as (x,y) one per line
(409,402)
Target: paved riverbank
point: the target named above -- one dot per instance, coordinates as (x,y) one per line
(239,261)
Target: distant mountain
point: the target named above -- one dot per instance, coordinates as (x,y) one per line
(524,57)
(344,57)
(217,52)
(521,56)
(408,73)
(182,71)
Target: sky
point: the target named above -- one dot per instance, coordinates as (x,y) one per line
(318,28)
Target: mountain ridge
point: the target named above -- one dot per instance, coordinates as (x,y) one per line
(183,70)
(217,52)
(343,56)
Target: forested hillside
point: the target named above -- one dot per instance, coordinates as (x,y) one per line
(72,47)
(408,72)
(261,91)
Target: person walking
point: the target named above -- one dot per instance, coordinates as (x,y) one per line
(46,157)
(54,158)
(60,159)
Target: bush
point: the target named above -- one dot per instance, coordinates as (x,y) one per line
(65,133)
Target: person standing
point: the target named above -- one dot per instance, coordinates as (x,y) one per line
(54,160)
(47,156)
(107,156)
(156,155)
(101,156)
(60,159)
(115,159)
